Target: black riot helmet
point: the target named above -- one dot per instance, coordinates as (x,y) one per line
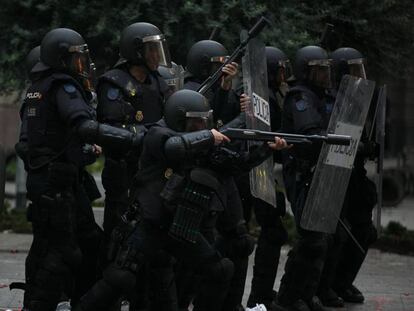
(205,57)
(187,111)
(313,66)
(279,68)
(32,59)
(348,61)
(173,76)
(144,44)
(64,49)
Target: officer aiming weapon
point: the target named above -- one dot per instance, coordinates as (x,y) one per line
(257,135)
(253,32)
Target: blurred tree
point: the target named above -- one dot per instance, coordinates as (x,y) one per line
(382,29)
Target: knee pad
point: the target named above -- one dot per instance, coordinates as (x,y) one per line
(71,255)
(236,242)
(120,278)
(221,270)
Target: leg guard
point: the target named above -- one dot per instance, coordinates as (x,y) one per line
(303,268)
(214,286)
(163,293)
(118,278)
(237,245)
(272,237)
(54,254)
(352,258)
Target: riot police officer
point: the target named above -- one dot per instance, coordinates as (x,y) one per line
(59,120)
(306,111)
(203,59)
(273,234)
(32,58)
(130,95)
(362,195)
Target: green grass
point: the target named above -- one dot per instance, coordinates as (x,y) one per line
(11,169)
(16,221)
(97,166)
(396,238)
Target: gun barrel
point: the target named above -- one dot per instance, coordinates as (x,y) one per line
(334,139)
(257,135)
(258,27)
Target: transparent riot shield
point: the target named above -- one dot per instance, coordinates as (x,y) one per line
(262,184)
(380,140)
(333,170)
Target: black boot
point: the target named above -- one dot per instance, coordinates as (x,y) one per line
(316,305)
(329,298)
(351,294)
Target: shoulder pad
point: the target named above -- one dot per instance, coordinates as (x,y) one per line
(112,93)
(69,88)
(123,80)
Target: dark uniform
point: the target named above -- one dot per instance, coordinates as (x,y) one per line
(59,120)
(306,111)
(273,235)
(362,194)
(125,102)
(203,59)
(360,201)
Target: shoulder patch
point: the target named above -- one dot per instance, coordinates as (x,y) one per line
(301,105)
(112,93)
(69,88)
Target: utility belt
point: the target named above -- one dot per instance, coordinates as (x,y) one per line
(53,209)
(190,198)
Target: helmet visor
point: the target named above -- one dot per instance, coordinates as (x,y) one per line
(357,68)
(156,52)
(90,83)
(198,120)
(283,72)
(217,62)
(79,61)
(320,73)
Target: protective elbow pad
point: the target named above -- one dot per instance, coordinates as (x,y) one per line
(180,147)
(108,136)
